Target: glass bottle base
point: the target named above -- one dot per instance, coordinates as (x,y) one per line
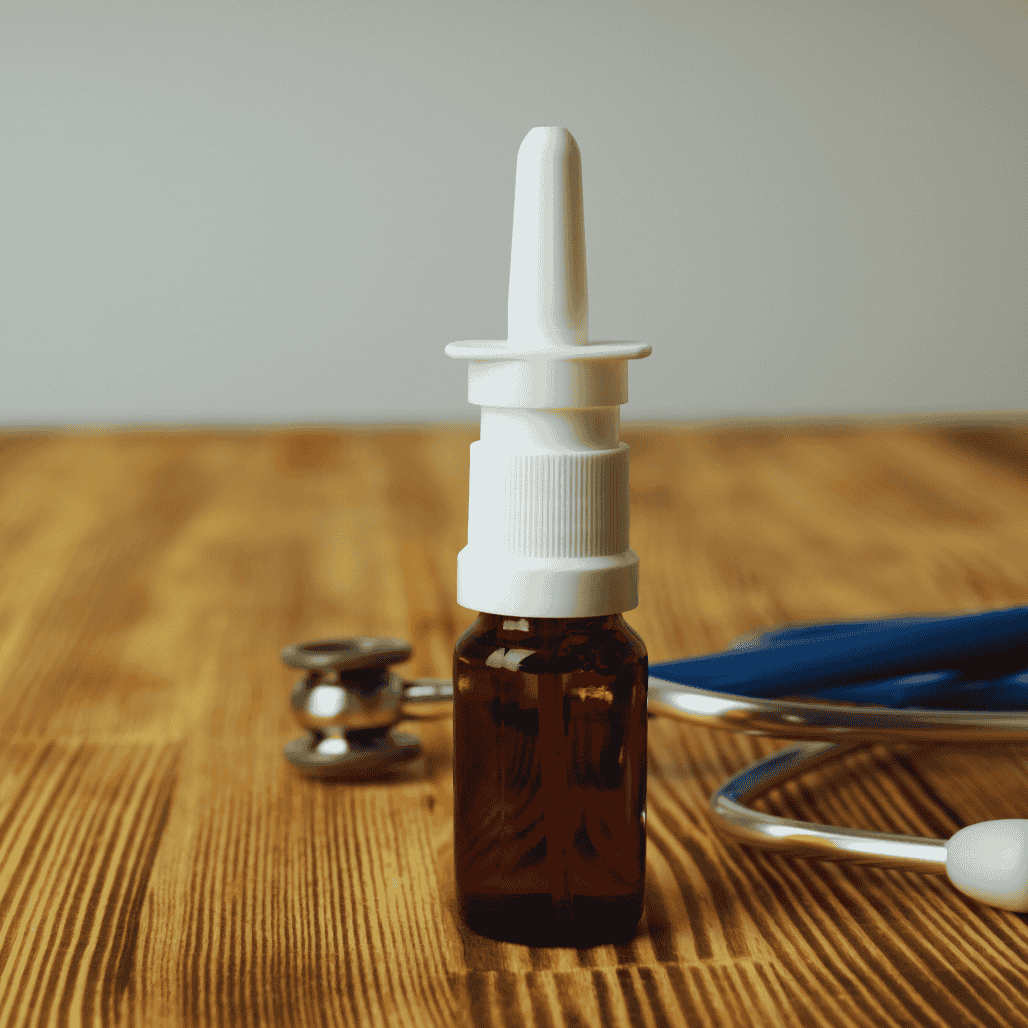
(536,920)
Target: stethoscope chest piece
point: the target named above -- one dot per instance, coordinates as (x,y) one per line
(350,701)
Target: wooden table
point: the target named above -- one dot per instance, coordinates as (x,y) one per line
(160,864)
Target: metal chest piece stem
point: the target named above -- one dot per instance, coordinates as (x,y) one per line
(349,702)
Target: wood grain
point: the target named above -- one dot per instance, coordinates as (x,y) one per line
(160,864)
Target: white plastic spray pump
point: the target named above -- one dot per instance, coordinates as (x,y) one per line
(548,505)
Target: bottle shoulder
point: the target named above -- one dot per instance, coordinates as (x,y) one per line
(633,636)
(541,645)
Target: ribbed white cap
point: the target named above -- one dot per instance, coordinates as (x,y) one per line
(548,506)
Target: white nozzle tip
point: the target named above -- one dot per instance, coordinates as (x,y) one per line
(548,301)
(989,862)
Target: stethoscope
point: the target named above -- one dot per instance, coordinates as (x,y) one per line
(861,683)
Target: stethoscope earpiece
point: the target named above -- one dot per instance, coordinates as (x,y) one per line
(987,861)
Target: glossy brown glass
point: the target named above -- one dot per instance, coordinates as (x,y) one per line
(549,778)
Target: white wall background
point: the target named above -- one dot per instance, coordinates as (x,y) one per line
(282,211)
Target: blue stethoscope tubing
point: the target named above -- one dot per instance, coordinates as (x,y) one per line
(961,678)
(983,656)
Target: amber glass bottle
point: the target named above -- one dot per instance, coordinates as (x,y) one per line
(550,778)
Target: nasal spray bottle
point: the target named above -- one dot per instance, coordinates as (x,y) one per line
(549,771)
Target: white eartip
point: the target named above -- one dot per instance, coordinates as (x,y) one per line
(989,862)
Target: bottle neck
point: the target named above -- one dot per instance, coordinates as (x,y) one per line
(549,626)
